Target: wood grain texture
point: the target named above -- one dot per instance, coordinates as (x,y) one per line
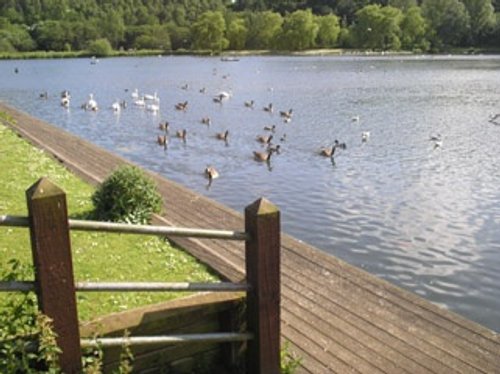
(338,318)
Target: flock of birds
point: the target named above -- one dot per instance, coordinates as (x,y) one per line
(270,139)
(272,142)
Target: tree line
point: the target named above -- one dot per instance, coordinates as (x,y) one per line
(218,25)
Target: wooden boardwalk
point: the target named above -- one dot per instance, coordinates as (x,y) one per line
(338,318)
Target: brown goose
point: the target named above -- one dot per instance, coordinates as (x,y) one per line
(182,134)
(264,139)
(181,106)
(263,156)
(222,135)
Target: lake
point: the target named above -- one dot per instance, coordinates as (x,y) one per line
(421,215)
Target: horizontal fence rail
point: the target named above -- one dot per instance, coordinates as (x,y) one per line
(168,339)
(24,286)
(50,228)
(125,228)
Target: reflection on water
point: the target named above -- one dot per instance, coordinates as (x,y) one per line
(426,218)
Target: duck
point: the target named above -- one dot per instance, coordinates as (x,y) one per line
(329,152)
(270,128)
(185,87)
(203,90)
(287,114)
(223,135)
(181,106)
(263,156)
(211,173)
(355,118)
(182,134)
(365,135)
(206,121)
(264,139)
(268,108)
(437,139)
(164,126)
(249,104)
(44,95)
(493,119)
(162,140)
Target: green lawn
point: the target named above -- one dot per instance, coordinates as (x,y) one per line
(96,256)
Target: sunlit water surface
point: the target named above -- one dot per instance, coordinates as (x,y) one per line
(424,218)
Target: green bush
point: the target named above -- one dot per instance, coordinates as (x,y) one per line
(127,195)
(100,48)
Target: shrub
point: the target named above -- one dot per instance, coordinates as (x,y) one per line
(100,47)
(127,195)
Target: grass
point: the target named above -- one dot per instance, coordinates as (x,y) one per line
(96,256)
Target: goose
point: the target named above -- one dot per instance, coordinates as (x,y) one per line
(264,139)
(329,152)
(203,90)
(182,134)
(181,106)
(275,148)
(223,135)
(164,126)
(211,173)
(263,156)
(249,104)
(268,108)
(206,121)
(135,94)
(116,106)
(365,135)
(185,87)
(286,114)
(162,140)
(270,128)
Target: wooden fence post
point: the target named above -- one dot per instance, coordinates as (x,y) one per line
(51,249)
(262,223)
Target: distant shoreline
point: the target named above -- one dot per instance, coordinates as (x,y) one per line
(242,53)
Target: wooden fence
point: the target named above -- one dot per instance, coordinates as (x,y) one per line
(55,285)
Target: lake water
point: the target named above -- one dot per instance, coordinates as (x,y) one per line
(423,217)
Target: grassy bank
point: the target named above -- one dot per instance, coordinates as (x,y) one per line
(96,256)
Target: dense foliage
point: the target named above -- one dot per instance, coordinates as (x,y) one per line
(127,195)
(216,25)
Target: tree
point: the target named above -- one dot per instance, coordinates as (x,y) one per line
(52,35)
(299,31)
(208,32)
(237,33)
(263,28)
(377,27)
(449,22)
(482,18)
(100,47)
(414,30)
(328,30)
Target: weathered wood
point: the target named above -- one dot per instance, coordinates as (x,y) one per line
(357,308)
(51,249)
(262,223)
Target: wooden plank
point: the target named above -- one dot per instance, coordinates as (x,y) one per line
(262,223)
(54,280)
(326,298)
